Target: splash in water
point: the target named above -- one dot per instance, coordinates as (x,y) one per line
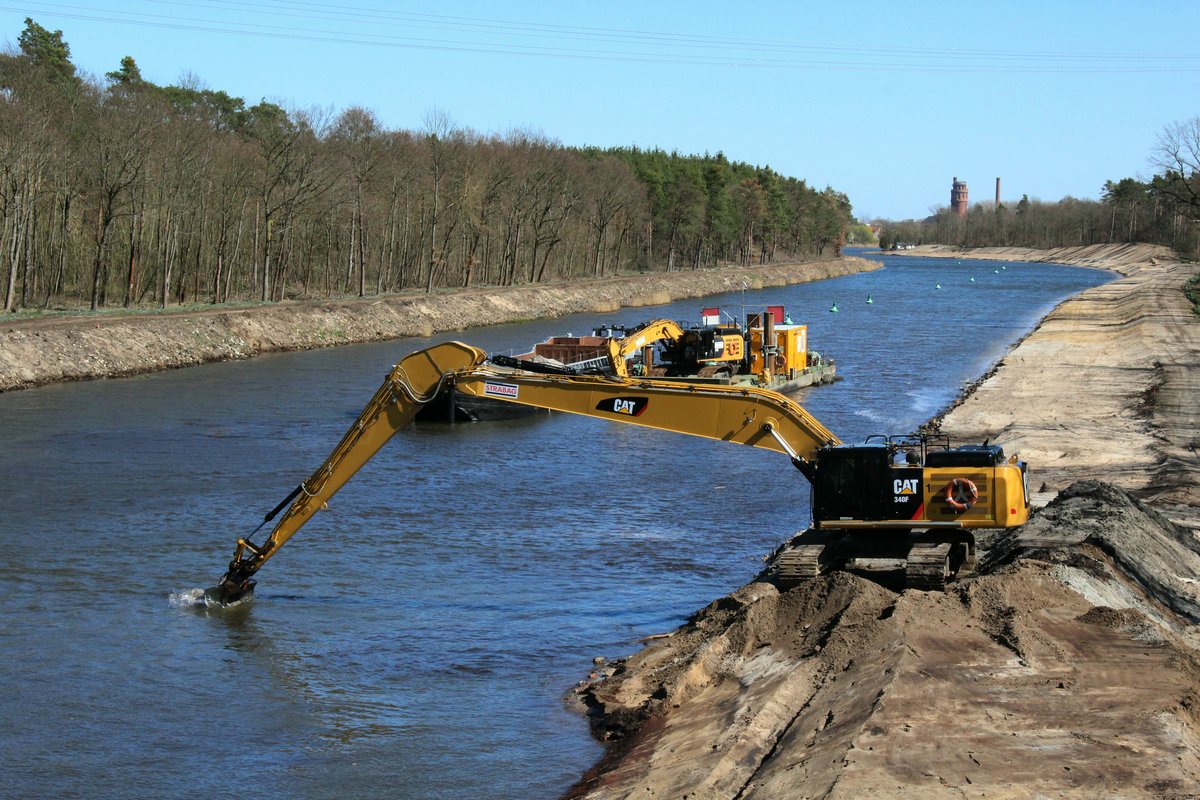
(202,598)
(187,598)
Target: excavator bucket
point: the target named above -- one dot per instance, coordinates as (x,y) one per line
(230,590)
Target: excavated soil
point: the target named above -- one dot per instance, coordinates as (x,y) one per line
(48,350)
(1067,666)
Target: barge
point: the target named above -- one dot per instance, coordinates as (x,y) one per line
(769,351)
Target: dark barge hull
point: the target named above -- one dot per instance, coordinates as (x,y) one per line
(451,405)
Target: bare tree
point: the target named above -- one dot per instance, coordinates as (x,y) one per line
(289,176)
(1178,155)
(439,132)
(359,137)
(611,194)
(116,135)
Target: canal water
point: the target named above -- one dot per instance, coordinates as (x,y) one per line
(418,639)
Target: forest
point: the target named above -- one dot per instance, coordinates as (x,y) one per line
(1162,210)
(116,191)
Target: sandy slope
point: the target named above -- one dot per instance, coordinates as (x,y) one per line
(1068,667)
(1107,386)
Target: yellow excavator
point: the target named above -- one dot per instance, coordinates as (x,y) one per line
(910,499)
(709,346)
(621,350)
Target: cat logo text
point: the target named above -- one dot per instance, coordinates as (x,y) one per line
(625,406)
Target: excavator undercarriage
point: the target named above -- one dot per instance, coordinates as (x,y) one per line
(928,560)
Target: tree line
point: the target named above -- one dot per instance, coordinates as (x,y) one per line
(118,191)
(1162,210)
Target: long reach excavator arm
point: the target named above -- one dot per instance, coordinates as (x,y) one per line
(908,498)
(743,415)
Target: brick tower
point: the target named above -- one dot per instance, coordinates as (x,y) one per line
(958,197)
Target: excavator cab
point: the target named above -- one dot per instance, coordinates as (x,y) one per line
(910,480)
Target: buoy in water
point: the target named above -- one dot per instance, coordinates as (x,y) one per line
(833,308)
(972,279)
(869,300)
(996,271)
(937,286)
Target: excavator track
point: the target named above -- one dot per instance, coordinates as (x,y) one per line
(928,566)
(932,563)
(809,555)
(715,371)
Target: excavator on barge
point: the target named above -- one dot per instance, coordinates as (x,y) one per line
(909,499)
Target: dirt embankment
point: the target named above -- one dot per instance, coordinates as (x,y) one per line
(40,351)
(1068,666)
(1058,673)
(1106,387)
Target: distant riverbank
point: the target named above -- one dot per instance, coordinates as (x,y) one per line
(39,351)
(1122,258)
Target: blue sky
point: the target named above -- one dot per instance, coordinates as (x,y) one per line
(885,101)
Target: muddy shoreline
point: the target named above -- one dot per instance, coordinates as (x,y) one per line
(1068,665)
(34,352)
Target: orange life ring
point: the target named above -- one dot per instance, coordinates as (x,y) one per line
(961,494)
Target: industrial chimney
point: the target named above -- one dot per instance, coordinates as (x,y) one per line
(997,194)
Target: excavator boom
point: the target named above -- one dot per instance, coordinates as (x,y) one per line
(411,383)
(742,415)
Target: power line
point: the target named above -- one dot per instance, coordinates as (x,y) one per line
(526,28)
(507,37)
